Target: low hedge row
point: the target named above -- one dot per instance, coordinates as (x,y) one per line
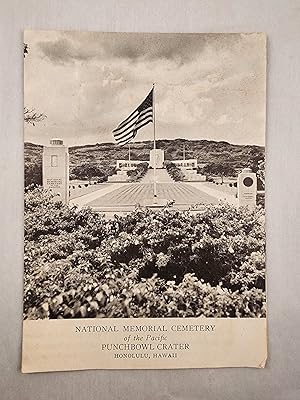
(174,171)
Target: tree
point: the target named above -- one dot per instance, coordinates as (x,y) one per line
(33,172)
(30,115)
(174,171)
(138,172)
(87,171)
(261,173)
(219,169)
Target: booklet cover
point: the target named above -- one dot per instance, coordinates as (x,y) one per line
(144,200)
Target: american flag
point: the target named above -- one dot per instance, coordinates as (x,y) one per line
(140,117)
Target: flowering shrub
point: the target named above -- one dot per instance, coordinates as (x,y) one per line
(155,264)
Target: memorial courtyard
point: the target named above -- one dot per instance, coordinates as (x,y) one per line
(120,198)
(113,249)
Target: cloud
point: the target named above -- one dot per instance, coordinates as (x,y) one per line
(72,46)
(60,50)
(207,85)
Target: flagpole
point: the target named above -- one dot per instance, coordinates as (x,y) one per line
(154,148)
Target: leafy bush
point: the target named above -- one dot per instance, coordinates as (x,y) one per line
(260,199)
(174,171)
(218,169)
(165,263)
(136,174)
(120,295)
(32,173)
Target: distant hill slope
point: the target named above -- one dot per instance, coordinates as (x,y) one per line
(101,158)
(206,151)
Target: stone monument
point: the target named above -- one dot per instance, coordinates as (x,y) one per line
(56,169)
(247,188)
(157,156)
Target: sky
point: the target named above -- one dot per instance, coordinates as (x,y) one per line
(207,86)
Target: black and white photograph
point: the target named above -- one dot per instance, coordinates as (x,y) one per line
(144,175)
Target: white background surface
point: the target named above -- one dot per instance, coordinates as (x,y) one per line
(281,21)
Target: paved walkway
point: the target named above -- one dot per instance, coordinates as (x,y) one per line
(87,198)
(208,188)
(162,176)
(125,196)
(78,192)
(142,193)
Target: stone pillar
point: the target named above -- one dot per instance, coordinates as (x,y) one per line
(158,157)
(56,169)
(247,188)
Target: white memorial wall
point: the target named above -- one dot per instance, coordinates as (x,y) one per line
(56,169)
(247,188)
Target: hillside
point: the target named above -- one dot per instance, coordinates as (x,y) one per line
(205,151)
(105,154)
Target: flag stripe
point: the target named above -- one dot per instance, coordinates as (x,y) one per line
(145,123)
(140,117)
(127,120)
(137,126)
(137,120)
(124,136)
(127,139)
(121,129)
(125,128)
